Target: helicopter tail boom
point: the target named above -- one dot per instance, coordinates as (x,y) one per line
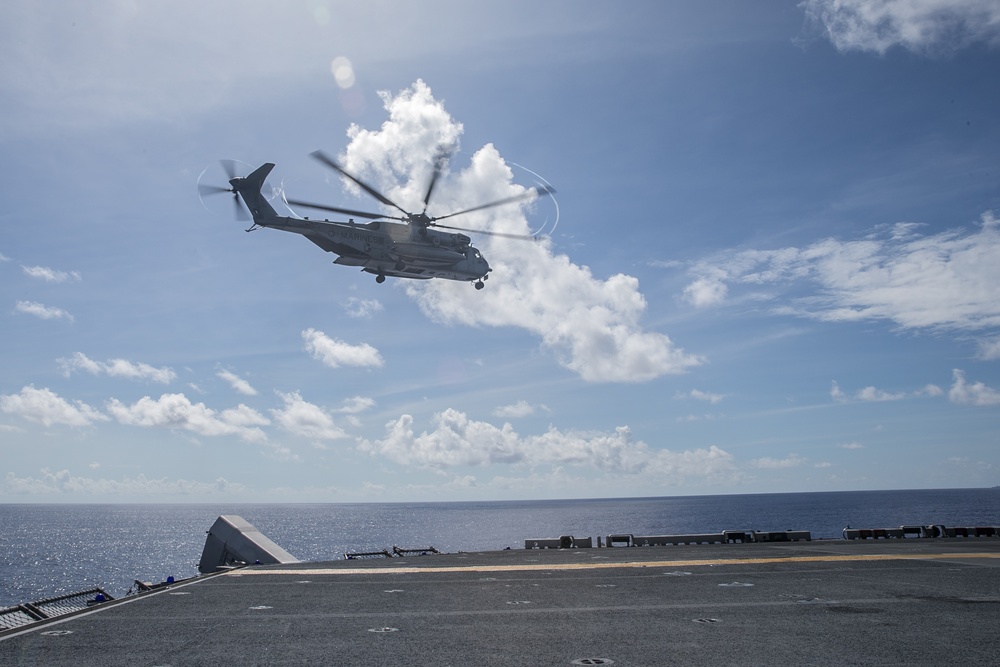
(249,188)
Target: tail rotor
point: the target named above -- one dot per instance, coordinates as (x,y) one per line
(207,189)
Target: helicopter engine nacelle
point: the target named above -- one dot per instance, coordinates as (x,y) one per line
(442,239)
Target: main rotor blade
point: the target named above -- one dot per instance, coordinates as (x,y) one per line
(321,156)
(539,191)
(337,209)
(521,237)
(439,161)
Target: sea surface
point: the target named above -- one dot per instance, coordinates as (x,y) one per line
(49,550)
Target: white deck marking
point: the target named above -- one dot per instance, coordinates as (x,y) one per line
(526,567)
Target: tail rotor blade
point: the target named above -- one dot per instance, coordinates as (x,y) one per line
(229,166)
(206,189)
(240,212)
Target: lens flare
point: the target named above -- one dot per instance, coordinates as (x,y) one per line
(343,72)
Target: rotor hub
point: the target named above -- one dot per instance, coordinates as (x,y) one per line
(421,219)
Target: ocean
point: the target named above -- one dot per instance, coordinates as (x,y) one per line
(49,550)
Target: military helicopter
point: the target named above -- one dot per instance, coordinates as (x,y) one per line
(402,246)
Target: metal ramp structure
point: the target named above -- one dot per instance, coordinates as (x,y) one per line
(27,613)
(234,542)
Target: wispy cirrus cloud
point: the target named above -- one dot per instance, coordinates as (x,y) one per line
(236,382)
(516,410)
(699,395)
(362,308)
(121,368)
(356,404)
(51,275)
(989,349)
(945,281)
(922,26)
(63,482)
(769,463)
(42,311)
(872,394)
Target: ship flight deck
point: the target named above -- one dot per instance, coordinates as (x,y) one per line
(821,602)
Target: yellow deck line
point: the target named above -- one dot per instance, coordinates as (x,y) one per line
(830,558)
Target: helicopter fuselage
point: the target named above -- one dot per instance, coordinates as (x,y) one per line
(387,248)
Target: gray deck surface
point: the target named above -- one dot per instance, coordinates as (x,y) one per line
(886,602)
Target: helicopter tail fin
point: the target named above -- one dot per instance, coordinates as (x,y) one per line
(250,189)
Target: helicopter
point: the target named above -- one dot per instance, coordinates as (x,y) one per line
(402,246)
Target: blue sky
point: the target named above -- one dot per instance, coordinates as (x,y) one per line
(773,260)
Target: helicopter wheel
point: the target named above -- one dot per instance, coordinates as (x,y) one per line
(479,284)
(380,279)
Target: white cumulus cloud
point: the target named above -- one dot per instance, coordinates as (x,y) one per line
(45,407)
(593,326)
(336,353)
(456,440)
(307,420)
(177,411)
(976,393)
(707,290)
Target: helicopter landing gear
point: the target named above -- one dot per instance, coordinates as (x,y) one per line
(479,284)
(400,266)
(380,278)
